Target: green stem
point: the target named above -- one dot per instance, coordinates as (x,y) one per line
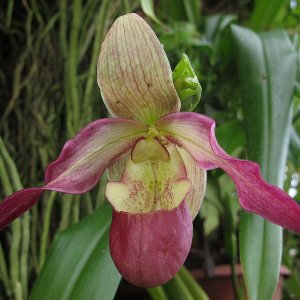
(63,28)
(21,240)
(4,273)
(100,197)
(88,26)
(183,288)
(24,253)
(126,6)
(14,261)
(5,163)
(11,167)
(9,12)
(65,54)
(88,204)
(66,209)
(5,178)
(16,88)
(76,209)
(46,225)
(18,291)
(34,238)
(157,293)
(192,285)
(235,281)
(73,63)
(100,29)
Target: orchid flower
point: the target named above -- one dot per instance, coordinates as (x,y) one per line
(157,159)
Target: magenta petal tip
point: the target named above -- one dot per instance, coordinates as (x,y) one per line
(17,204)
(148,249)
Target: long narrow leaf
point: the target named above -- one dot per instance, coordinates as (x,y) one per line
(264,13)
(79,265)
(266,65)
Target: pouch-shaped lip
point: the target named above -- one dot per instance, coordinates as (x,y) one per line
(148,249)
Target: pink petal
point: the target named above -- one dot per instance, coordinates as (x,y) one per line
(148,249)
(80,163)
(195,133)
(18,203)
(134,73)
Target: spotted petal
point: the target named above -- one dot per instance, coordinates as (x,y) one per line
(80,163)
(134,73)
(195,133)
(147,186)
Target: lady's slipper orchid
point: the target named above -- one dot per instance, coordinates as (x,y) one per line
(156,156)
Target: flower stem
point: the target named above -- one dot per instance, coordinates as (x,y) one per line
(192,285)
(73,64)
(76,209)
(157,293)
(100,29)
(24,253)
(66,209)
(4,273)
(7,170)
(46,225)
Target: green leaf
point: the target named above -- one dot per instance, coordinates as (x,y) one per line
(187,84)
(264,13)
(179,36)
(174,9)
(292,285)
(215,31)
(231,135)
(211,208)
(148,9)
(192,8)
(266,64)
(215,25)
(211,217)
(294,149)
(79,265)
